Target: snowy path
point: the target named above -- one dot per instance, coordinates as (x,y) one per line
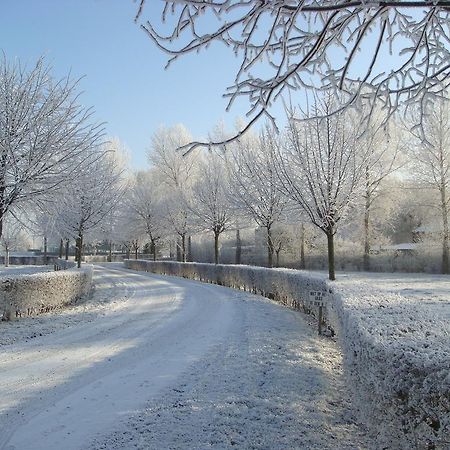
(154,362)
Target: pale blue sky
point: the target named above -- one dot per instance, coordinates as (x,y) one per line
(125,80)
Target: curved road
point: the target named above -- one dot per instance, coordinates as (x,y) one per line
(159,362)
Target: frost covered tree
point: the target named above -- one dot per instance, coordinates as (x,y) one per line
(210,202)
(281,239)
(90,198)
(254,181)
(396,51)
(131,235)
(382,160)
(44,224)
(175,168)
(322,167)
(14,237)
(177,173)
(44,133)
(146,204)
(431,165)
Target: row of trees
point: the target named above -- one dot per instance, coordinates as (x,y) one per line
(319,170)
(58,172)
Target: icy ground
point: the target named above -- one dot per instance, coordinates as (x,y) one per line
(153,362)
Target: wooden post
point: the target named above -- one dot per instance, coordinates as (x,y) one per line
(318,298)
(320,320)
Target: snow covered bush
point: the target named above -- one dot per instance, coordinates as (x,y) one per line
(397,358)
(395,349)
(22,295)
(290,287)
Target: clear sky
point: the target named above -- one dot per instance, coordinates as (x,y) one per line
(124,77)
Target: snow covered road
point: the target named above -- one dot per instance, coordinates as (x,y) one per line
(155,362)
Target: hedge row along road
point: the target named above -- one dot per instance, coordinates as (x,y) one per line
(160,362)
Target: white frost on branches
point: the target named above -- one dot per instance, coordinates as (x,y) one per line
(44,134)
(396,51)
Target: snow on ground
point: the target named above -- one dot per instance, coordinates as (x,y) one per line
(157,362)
(412,307)
(397,347)
(22,270)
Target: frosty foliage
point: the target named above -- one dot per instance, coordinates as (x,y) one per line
(394,51)
(44,133)
(395,344)
(289,287)
(177,173)
(323,164)
(430,165)
(254,182)
(13,237)
(146,207)
(163,154)
(210,205)
(90,196)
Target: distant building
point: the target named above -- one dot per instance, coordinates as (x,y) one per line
(426,232)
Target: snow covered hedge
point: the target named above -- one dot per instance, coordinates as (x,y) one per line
(401,379)
(28,294)
(397,357)
(289,287)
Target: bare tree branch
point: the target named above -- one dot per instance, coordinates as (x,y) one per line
(395,51)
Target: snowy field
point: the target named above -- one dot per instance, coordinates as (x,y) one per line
(411,310)
(157,362)
(426,291)
(408,306)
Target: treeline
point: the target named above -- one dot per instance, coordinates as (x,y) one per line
(336,184)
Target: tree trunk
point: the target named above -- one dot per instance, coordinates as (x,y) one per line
(237,259)
(136,252)
(277,263)
(2,196)
(45,251)
(189,250)
(67,249)
(366,257)
(216,247)
(178,246)
(76,250)
(61,248)
(302,248)
(154,250)
(79,247)
(330,240)
(110,251)
(183,247)
(269,247)
(445,230)
(6,258)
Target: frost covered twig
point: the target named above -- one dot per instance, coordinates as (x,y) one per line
(395,51)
